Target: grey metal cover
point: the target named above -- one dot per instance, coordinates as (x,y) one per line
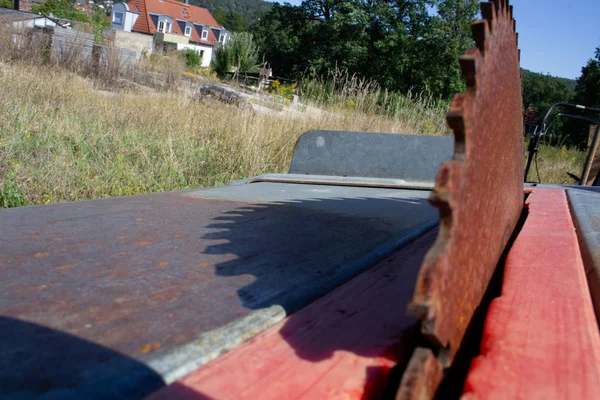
(585,210)
(113,298)
(372,155)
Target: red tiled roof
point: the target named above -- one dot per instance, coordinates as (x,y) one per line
(179,12)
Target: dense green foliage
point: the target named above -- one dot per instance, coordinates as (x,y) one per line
(249,10)
(239,54)
(234,21)
(587,91)
(540,91)
(61,9)
(399,44)
(7,4)
(192,58)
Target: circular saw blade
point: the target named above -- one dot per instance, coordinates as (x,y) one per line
(480,191)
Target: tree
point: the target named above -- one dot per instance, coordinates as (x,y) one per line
(250,10)
(61,9)
(587,91)
(239,54)
(233,20)
(541,91)
(452,37)
(400,44)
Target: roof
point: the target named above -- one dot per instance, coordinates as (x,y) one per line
(179,12)
(14,15)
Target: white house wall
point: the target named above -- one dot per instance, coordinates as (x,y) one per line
(206,56)
(137,42)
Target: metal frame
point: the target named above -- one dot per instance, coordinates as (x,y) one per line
(533,148)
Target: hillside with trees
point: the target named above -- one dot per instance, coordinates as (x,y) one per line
(540,91)
(235,15)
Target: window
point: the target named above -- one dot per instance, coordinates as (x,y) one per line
(117,17)
(164,25)
(222,38)
(204,35)
(188,31)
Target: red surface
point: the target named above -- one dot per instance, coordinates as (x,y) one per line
(541,338)
(340,347)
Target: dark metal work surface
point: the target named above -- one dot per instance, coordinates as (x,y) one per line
(480,192)
(374,155)
(141,290)
(585,211)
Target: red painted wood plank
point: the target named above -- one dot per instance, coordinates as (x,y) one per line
(540,337)
(340,347)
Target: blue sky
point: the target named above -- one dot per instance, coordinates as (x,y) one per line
(555,36)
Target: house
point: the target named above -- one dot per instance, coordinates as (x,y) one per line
(174,25)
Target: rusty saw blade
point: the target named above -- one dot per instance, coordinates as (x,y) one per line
(480,191)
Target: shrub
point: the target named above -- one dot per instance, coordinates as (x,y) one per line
(239,54)
(192,58)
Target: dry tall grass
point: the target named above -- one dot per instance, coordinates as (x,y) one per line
(63,140)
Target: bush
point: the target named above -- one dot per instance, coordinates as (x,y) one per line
(283,90)
(239,54)
(192,58)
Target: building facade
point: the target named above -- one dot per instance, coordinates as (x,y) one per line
(174,25)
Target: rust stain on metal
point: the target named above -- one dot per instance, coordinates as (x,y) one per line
(64,267)
(480,191)
(421,377)
(142,243)
(162,264)
(148,347)
(41,255)
(203,264)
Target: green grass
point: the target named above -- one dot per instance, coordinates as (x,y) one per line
(555,162)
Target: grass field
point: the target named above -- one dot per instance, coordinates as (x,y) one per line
(63,140)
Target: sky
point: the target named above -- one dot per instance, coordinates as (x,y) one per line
(555,36)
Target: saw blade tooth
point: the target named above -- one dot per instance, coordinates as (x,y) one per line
(468,65)
(510,11)
(497,5)
(455,117)
(480,31)
(488,13)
